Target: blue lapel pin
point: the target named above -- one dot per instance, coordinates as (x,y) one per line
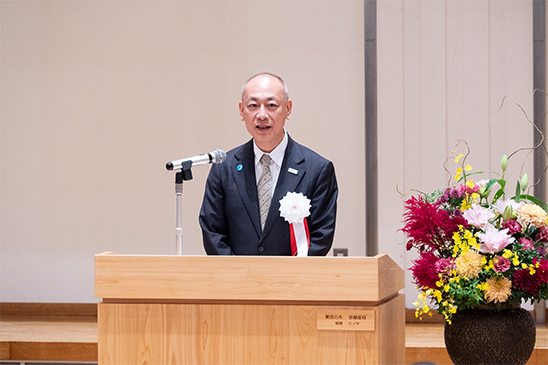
(239,167)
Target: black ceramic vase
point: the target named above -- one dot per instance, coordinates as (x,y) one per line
(490,337)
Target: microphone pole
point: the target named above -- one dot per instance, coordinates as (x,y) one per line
(179,212)
(217,156)
(180,176)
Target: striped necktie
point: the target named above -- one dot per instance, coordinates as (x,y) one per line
(264,188)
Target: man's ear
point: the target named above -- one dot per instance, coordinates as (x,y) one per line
(289,108)
(240,106)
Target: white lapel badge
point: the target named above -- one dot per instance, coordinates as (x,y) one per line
(293,171)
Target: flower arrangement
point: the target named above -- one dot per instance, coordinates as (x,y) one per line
(477,250)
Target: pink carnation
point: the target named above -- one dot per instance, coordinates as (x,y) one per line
(542,235)
(468,189)
(526,243)
(444,266)
(512,225)
(501,264)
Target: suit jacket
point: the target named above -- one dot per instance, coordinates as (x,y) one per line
(230,218)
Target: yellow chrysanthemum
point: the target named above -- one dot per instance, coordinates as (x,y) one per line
(532,214)
(499,290)
(469,264)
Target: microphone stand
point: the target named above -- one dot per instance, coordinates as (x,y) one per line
(184,175)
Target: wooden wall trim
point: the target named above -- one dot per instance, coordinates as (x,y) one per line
(48,309)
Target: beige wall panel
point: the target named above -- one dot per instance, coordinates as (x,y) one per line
(97,96)
(475,79)
(432,67)
(459,60)
(456,56)
(391,124)
(511,50)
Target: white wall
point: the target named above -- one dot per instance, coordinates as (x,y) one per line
(96,96)
(444,70)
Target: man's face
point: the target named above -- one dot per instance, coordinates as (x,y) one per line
(264,109)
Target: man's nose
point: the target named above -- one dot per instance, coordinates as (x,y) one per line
(262,112)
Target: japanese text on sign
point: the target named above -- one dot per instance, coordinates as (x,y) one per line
(346,319)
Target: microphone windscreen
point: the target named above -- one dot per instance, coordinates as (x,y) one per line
(218,156)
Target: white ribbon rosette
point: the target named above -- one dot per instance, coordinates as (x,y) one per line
(294,208)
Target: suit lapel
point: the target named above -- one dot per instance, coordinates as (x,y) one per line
(244,178)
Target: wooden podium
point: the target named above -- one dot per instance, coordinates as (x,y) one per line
(249,310)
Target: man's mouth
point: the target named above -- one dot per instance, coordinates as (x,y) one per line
(263,127)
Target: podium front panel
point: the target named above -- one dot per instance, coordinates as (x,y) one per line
(245,310)
(216,334)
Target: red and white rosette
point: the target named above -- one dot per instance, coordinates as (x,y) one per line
(294,208)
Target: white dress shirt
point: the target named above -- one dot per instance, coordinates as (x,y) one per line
(277,156)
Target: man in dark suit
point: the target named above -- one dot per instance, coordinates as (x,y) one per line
(231,210)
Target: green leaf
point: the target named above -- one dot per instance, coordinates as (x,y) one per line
(467,174)
(502,183)
(498,194)
(477,173)
(518,192)
(490,184)
(538,202)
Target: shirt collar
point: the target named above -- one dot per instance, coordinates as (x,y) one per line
(277,154)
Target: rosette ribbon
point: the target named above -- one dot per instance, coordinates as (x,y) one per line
(294,208)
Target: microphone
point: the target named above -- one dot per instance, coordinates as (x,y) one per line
(216,156)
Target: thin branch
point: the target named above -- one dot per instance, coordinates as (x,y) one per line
(529,149)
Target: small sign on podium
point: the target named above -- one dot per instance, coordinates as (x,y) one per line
(346,320)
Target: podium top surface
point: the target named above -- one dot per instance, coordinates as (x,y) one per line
(247,278)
